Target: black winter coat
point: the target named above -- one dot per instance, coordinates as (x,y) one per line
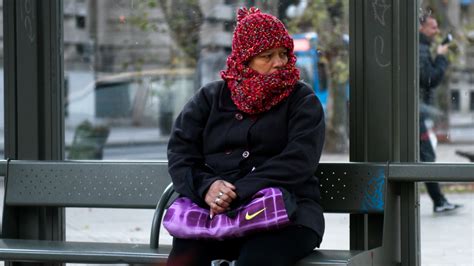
(211,139)
(431,75)
(431,71)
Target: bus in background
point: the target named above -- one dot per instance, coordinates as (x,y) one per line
(312,70)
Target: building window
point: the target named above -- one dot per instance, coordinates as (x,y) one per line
(80,48)
(81,22)
(471,101)
(229,26)
(455,100)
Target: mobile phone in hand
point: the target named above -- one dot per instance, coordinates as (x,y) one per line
(448,39)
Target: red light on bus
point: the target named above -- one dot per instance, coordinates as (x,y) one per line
(301,44)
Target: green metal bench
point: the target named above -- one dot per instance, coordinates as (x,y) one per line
(345,188)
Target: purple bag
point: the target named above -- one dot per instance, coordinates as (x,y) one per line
(265,211)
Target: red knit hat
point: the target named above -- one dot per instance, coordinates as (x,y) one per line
(253,92)
(257,32)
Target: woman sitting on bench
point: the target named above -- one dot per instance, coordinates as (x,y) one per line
(259,127)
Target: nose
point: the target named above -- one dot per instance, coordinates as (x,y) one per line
(279,62)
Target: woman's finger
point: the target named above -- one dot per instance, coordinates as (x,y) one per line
(222,202)
(226,198)
(229,185)
(213,191)
(209,199)
(229,192)
(216,208)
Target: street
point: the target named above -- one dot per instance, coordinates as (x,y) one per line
(157,151)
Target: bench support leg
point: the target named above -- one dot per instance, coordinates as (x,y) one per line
(410,224)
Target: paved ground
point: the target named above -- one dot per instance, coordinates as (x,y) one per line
(445,240)
(448,239)
(444,152)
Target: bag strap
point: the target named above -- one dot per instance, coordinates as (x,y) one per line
(223,263)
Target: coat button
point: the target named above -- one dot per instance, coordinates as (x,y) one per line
(239,116)
(245,154)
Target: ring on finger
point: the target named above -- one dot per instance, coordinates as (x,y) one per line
(220,194)
(217,200)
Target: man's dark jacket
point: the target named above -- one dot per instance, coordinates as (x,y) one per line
(431,75)
(431,70)
(211,139)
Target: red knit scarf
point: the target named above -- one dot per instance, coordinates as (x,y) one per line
(255,93)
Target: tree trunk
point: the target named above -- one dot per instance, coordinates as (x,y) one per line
(337,122)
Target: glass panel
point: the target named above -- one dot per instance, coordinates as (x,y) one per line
(449,100)
(2,114)
(122,90)
(2,117)
(130,66)
(445,106)
(320,32)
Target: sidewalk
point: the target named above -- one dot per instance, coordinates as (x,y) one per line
(445,240)
(458,136)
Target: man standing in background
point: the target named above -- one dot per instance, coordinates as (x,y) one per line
(432,72)
(464,4)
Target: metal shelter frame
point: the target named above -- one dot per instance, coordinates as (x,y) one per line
(383,107)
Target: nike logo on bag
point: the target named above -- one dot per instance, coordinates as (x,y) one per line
(249,217)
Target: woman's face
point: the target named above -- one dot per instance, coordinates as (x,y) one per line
(269,61)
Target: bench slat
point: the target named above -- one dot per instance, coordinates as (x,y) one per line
(86,184)
(93,252)
(345,188)
(81,252)
(330,257)
(352,188)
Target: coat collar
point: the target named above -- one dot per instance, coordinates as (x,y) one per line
(225,101)
(424,39)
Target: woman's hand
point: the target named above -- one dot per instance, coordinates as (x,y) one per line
(219,196)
